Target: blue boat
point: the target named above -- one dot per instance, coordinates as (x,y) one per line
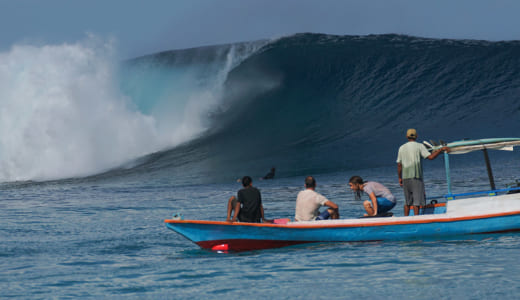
(492,211)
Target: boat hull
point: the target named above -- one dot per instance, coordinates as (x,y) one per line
(246,237)
(488,215)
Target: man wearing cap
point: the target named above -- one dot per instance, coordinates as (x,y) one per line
(409,169)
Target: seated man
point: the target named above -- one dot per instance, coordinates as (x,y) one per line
(248,207)
(309,202)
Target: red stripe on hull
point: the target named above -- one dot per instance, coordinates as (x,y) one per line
(247,244)
(250,244)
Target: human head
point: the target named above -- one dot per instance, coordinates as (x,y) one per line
(411,134)
(355,183)
(246,181)
(310,182)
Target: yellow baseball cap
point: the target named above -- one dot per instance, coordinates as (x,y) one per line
(411,133)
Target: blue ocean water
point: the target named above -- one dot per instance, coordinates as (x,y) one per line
(94,157)
(107,239)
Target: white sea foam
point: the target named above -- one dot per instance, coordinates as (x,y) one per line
(62,113)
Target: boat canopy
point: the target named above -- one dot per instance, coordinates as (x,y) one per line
(466,146)
(503,145)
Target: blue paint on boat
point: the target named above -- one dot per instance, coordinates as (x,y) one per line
(200,232)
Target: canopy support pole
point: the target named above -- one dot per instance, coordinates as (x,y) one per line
(447,167)
(489,171)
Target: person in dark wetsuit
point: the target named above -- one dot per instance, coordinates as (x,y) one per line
(269,175)
(248,207)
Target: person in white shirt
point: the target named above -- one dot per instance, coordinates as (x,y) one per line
(309,202)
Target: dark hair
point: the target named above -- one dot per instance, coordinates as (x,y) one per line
(246,181)
(356,180)
(310,182)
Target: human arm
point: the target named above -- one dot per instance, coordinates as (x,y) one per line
(262,214)
(237,210)
(238,205)
(230,208)
(400,173)
(331,204)
(436,153)
(333,209)
(373,198)
(400,166)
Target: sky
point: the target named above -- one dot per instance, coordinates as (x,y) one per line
(145,27)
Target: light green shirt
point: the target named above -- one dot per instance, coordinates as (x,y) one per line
(409,157)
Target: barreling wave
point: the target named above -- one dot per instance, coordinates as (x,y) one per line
(318,103)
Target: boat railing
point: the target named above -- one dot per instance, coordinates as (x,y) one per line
(488,193)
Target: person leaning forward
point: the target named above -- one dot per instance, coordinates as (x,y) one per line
(309,202)
(248,206)
(409,170)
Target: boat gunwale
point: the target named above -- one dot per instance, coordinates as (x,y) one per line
(410,220)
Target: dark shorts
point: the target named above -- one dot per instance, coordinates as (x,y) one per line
(323,216)
(414,192)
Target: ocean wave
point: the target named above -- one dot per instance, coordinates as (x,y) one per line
(74,110)
(304,103)
(320,103)
(60,115)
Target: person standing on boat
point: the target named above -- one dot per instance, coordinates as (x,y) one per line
(409,170)
(381,199)
(309,202)
(248,207)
